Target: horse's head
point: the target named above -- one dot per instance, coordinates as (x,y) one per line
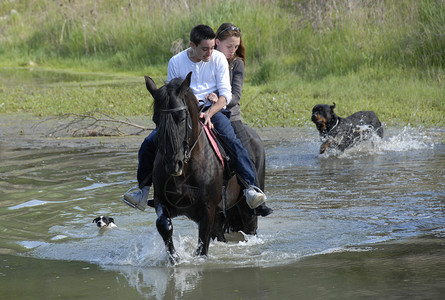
(173,121)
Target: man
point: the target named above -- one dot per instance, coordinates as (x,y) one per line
(210,73)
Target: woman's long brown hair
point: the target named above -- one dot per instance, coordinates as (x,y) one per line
(225,32)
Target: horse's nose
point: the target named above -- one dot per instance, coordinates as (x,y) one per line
(179,166)
(174,168)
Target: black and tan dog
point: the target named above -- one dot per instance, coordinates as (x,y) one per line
(341,133)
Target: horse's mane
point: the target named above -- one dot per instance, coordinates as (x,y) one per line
(169,90)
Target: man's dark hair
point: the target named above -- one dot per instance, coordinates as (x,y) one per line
(201,32)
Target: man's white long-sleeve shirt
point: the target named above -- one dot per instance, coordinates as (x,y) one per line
(207,77)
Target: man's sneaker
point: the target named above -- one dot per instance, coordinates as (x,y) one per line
(138,198)
(254,196)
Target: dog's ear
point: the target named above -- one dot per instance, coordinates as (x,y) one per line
(332,107)
(111,220)
(95,220)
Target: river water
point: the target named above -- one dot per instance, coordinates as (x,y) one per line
(368,223)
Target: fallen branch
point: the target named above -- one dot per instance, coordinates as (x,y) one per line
(95,123)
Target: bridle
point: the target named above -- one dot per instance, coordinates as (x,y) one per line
(187,151)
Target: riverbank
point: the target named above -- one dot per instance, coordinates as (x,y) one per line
(24,129)
(397,99)
(386,56)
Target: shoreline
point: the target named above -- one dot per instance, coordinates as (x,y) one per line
(29,126)
(24,130)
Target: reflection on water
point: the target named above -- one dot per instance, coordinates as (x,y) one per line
(337,206)
(409,269)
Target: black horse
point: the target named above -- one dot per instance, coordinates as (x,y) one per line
(187,175)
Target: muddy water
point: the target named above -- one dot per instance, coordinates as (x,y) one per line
(368,223)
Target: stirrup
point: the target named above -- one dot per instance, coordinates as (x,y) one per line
(150,202)
(126,201)
(258,190)
(257,200)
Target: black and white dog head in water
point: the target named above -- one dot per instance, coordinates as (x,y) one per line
(104,222)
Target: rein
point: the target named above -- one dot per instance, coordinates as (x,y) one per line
(187,152)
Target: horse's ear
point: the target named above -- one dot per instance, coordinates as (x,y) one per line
(332,107)
(150,84)
(185,85)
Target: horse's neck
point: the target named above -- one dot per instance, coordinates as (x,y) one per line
(197,132)
(196,139)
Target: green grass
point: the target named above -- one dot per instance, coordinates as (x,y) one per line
(395,99)
(386,56)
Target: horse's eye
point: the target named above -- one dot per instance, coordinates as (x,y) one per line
(181,117)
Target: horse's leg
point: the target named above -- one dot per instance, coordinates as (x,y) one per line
(165,229)
(218,228)
(204,226)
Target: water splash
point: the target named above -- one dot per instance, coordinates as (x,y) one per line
(123,248)
(394,140)
(407,139)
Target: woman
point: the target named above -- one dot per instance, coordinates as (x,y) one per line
(228,41)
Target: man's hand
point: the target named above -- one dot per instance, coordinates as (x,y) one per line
(216,107)
(207,121)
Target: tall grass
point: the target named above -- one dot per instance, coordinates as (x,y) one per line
(294,47)
(312,38)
